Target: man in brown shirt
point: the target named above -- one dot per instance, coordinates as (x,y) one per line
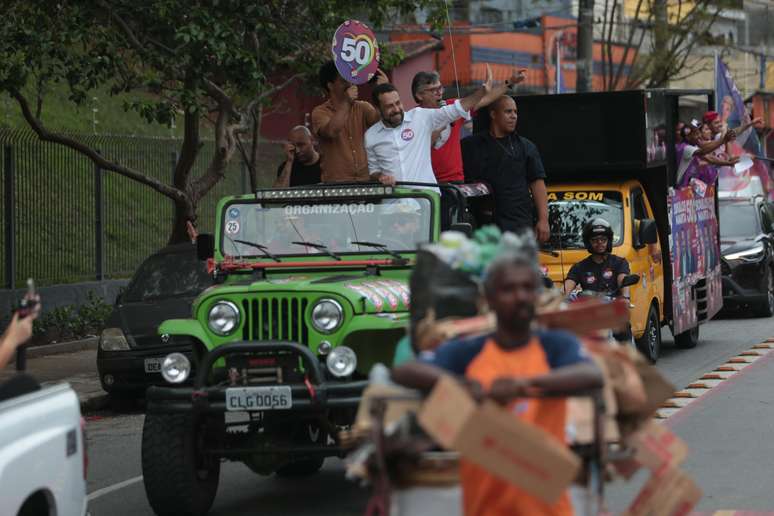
(340,124)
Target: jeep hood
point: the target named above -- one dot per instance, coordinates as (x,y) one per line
(366,293)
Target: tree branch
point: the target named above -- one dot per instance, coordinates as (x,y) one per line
(632,31)
(188,151)
(94,156)
(225,145)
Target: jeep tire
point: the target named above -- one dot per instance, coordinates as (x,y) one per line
(178,478)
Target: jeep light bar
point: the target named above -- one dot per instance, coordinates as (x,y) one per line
(317,193)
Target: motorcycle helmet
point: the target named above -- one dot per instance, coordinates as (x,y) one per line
(597,227)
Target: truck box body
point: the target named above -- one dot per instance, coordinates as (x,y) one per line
(613,137)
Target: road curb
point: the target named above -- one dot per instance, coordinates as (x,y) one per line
(72,346)
(715,379)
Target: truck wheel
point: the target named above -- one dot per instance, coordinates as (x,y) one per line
(650,342)
(687,339)
(178,478)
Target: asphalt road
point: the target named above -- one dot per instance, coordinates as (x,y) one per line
(728,435)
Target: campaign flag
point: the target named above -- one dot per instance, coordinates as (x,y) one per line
(730,105)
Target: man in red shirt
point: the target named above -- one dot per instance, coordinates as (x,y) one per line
(446,154)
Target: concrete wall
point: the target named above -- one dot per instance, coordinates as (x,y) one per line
(62,295)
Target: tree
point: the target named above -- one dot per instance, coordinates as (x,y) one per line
(213,61)
(658,38)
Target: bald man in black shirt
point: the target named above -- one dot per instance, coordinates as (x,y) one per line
(512,167)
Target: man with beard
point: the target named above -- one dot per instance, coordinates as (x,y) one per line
(398,146)
(506,366)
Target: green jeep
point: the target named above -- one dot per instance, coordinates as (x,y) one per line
(311,290)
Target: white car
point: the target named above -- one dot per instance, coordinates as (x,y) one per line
(42,454)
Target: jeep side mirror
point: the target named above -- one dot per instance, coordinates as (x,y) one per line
(629,280)
(205,246)
(648,231)
(463,227)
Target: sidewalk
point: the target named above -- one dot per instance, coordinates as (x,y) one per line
(78,368)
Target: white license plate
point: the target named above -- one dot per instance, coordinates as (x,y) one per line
(277,397)
(153,365)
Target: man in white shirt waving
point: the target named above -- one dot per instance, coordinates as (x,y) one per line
(398,146)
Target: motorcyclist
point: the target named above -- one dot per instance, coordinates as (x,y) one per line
(601,271)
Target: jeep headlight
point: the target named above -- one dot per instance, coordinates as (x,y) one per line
(223,318)
(341,361)
(327,316)
(175,368)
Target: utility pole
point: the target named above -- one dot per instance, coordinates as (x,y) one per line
(585,60)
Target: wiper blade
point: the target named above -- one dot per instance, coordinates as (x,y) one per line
(321,247)
(380,247)
(261,248)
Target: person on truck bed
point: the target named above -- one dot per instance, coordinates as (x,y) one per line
(695,148)
(507,366)
(601,271)
(302,161)
(339,124)
(512,166)
(398,146)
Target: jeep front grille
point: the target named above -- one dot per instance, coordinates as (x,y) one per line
(276,318)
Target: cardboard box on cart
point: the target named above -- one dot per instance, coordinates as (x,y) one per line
(498,441)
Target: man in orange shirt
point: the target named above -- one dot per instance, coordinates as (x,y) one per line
(339,124)
(512,362)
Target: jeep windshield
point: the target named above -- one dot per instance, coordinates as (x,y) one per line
(331,226)
(569,211)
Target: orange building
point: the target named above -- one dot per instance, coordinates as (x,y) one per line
(468,50)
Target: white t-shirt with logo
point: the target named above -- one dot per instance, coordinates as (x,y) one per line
(404,151)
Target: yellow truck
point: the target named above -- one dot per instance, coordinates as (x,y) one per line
(616,160)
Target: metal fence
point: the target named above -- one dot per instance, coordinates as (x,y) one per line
(65,220)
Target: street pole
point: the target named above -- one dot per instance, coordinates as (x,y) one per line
(585,60)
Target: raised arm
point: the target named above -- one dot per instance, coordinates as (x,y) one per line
(706,148)
(742,128)
(733,160)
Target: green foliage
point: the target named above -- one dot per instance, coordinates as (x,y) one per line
(164,57)
(71,322)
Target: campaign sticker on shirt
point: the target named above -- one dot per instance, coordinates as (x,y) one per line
(232,227)
(607,274)
(407,134)
(233,213)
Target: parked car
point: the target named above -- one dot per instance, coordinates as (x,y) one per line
(747,249)
(130,349)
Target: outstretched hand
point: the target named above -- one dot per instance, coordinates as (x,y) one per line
(518,76)
(488,84)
